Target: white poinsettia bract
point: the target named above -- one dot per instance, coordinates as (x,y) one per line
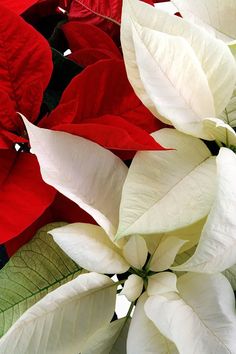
(186,314)
(180,72)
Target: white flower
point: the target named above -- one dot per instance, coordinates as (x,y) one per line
(196,311)
(178,70)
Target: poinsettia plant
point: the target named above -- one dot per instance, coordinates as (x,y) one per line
(118,177)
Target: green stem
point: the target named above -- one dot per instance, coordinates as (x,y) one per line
(219,143)
(129,311)
(120,282)
(148,263)
(141,273)
(227,135)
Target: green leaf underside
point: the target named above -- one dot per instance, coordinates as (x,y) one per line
(110,339)
(183,257)
(36,269)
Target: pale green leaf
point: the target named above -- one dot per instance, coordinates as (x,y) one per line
(201,318)
(184,256)
(216,250)
(230,274)
(63,320)
(120,344)
(232,47)
(77,168)
(229,113)
(33,271)
(168,190)
(220,131)
(107,340)
(90,247)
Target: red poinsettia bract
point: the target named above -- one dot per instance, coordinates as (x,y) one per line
(99,104)
(25,70)
(89,43)
(105,14)
(21,6)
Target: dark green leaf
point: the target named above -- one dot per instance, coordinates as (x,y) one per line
(3,256)
(63,72)
(58,40)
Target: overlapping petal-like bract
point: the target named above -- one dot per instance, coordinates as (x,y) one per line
(21,85)
(156,47)
(87,166)
(105,14)
(216,16)
(61,317)
(200,318)
(135,251)
(83,36)
(117,119)
(23,194)
(90,247)
(220,131)
(18,6)
(216,248)
(133,287)
(161,283)
(165,253)
(144,337)
(168,190)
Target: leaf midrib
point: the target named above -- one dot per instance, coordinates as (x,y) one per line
(39,291)
(98,14)
(71,300)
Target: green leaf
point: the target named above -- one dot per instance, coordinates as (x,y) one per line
(57,39)
(184,256)
(3,256)
(230,274)
(36,269)
(64,320)
(229,113)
